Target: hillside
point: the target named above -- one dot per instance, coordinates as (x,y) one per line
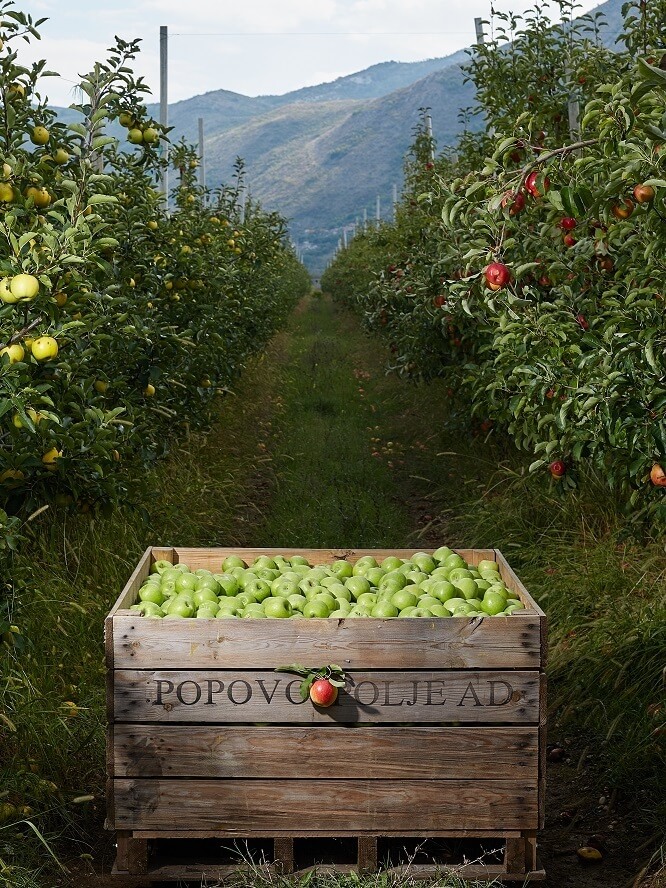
(322,154)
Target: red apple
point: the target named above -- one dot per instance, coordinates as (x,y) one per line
(531,186)
(557,469)
(497,275)
(624,209)
(515,201)
(569,240)
(439,301)
(582,320)
(323,693)
(568,223)
(644,193)
(545,281)
(606,263)
(658,476)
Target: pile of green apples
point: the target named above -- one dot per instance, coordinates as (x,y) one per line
(437,585)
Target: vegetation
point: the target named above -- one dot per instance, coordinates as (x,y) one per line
(533,284)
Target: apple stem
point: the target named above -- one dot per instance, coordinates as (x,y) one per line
(19,334)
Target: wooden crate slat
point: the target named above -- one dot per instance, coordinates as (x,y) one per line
(248,751)
(455,643)
(365,806)
(226,696)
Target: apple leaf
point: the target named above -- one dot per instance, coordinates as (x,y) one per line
(336,682)
(296,668)
(305,686)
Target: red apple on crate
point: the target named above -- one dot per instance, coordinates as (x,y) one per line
(319,683)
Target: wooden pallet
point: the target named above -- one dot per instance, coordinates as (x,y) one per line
(143,859)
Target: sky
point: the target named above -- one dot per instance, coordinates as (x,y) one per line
(254,47)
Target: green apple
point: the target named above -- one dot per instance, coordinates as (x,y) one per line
(227,583)
(391,563)
(421,612)
(205,594)
(316,608)
(207,611)
(424,562)
(159,566)
(263,561)
(232,561)
(253,612)
(428,601)
(226,615)
(443,590)
(384,610)
(181,607)
(442,554)
(186,582)
(342,569)
(342,607)
(402,599)
(367,599)
(438,610)
(407,611)
(283,588)
(298,559)
(466,586)
(359,612)
(259,588)
(394,580)
(313,592)
(363,565)
(151,592)
(278,607)
(297,602)
(357,586)
(245,598)
(341,592)
(374,575)
(487,565)
(514,606)
(330,601)
(453,603)
(228,606)
(265,573)
(416,577)
(452,561)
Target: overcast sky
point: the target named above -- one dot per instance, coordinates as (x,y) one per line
(253,47)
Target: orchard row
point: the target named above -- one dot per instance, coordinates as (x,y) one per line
(120,321)
(533,280)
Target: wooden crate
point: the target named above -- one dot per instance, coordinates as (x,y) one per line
(440,731)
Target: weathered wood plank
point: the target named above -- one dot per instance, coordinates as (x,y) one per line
(249,806)
(132,854)
(224,696)
(367,854)
(283,853)
(379,753)
(439,643)
(302,832)
(129,594)
(509,576)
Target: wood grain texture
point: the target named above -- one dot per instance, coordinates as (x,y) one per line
(439,643)
(129,594)
(375,807)
(241,696)
(302,832)
(377,753)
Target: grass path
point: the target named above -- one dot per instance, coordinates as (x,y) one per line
(319,448)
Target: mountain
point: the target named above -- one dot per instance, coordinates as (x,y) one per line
(322,154)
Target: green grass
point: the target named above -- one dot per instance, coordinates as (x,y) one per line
(330,491)
(319,448)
